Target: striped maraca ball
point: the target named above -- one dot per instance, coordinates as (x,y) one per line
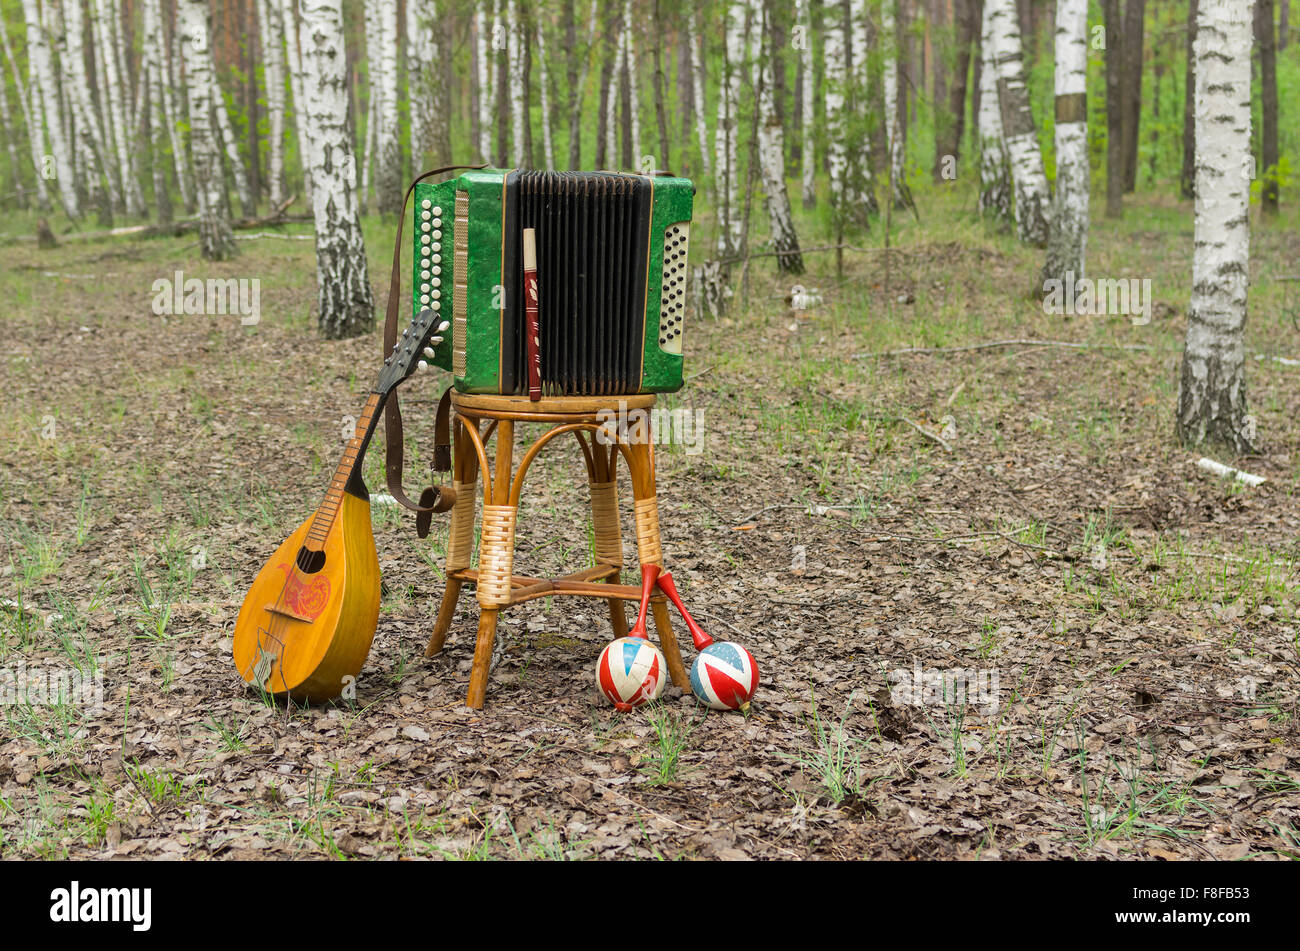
(630,671)
(724,676)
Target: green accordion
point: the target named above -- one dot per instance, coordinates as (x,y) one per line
(611,274)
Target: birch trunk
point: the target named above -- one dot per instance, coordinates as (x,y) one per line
(114,87)
(34,141)
(633,95)
(893,105)
(836,81)
(173,109)
(726,151)
(485,95)
(771,151)
(45,80)
(10,134)
(609,99)
(293,58)
(383,91)
(1067,244)
(1212,388)
(518,88)
(808,145)
(151,69)
(1021,136)
(696,46)
(216,240)
(272,25)
(428,94)
(548,145)
(88,133)
(861,194)
(347,306)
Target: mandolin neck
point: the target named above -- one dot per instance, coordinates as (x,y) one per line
(347,475)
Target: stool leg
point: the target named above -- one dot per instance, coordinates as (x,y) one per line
(650,551)
(495,562)
(605,525)
(478,677)
(460,535)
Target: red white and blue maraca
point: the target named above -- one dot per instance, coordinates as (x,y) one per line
(724,675)
(631,670)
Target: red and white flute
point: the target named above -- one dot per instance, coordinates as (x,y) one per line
(534,331)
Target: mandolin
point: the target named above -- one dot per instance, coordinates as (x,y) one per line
(307,622)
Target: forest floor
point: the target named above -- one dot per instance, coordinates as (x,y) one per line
(1127,621)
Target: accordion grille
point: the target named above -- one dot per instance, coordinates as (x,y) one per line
(460,287)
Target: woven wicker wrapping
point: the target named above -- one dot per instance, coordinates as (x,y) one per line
(648,549)
(496,555)
(605,525)
(460,540)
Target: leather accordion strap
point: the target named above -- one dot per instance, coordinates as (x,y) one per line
(434,498)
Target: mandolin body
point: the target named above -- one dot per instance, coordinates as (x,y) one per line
(305,633)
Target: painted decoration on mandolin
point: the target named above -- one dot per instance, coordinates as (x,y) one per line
(306,600)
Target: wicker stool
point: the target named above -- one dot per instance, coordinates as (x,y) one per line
(498,586)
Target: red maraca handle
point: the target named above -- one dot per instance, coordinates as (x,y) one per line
(701,639)
(649,574)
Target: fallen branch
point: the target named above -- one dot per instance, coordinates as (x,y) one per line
(929,435)
(994,344)
(1219,469)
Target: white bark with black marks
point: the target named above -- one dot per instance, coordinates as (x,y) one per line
(995,173)
(272,28)
(1212,387)
(346,303)
(1068,241)
(1025,158)
(45,80)
(35,142)
(771,151)
(216,240)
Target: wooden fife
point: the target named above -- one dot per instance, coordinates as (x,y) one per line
(497,585)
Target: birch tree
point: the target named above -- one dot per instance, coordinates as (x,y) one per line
(695,43)
(995,175)
(862,202)
(383,89)
(485,93)
(44,81)
(216,240)
(901,196)
(10,135)
(89,133)
(837,154)
(1212,387)
(771,149)
(807,147)
(548,144)
(346,303)
(115,95)
(34,142)
(152,79)
(1068,239)
(518,87)
(271,24)
(633,100)
(1021,136)
(726,151)
(293,59)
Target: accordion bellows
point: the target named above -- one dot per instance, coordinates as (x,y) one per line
(611,268)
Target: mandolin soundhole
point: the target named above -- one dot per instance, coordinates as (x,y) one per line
(309,562)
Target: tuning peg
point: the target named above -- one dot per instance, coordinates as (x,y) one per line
(443,326)
(421,366)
